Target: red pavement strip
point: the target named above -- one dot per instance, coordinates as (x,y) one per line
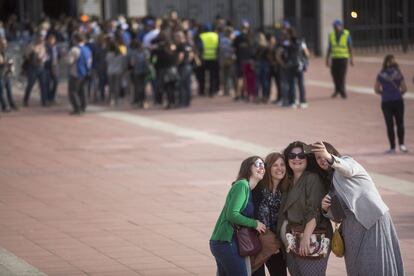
(94,195)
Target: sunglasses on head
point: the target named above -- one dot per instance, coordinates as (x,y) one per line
(299,155)
(259,164)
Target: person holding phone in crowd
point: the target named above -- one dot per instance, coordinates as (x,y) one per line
(391,86)
(370,239)
(238,210)
(300,208)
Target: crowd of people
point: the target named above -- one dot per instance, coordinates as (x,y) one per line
(152,61)
(123,56)
(297,193)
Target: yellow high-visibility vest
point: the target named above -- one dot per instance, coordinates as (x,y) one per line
(339,50)
(210,42)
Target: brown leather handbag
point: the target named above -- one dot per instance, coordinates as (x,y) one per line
(247,240)
(270,245)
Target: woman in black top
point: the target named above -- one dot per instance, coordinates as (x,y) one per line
(165,54)
(267,197)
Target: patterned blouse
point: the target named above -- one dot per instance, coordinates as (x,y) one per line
(266,207)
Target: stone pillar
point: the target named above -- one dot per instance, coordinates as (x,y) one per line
(329,10)
(33,9)
(272,12)
(91,7)
(136,8)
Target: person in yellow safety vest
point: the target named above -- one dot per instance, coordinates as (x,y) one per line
(209,44)
(338,54)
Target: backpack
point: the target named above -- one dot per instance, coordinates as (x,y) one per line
(139,62)
(84,62)
(296,59)
(226,51)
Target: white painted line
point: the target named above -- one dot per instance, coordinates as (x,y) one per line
(11,265)
(356,89)
(394,184)
(189,133)
(386,182)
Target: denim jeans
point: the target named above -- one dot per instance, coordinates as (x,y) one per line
(285,87)
(295,75)
(185,72)
(9,103)
(263,79)
(34,74)
(229,262)
(51,84)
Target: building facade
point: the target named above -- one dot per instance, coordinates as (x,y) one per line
(373,23)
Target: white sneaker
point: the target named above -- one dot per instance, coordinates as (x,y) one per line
(303,105)
(403,148)
(294,106)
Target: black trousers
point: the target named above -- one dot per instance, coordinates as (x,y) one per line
(212,66)
(394,110)
(77,96)
(139,88)
(276,266)
(338,72)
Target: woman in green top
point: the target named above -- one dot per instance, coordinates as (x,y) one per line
(239,210)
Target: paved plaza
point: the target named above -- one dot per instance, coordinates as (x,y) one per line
(137,192)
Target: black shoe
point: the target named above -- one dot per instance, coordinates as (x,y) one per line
(343,96)
(6,110)
(334,95)
(25,103)
(15,108)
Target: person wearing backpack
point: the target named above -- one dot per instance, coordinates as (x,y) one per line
(140,68)
(227,60)
(80,62)
(185,55)
(296,63)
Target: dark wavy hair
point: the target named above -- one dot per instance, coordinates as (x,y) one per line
(311,164)
(387,63)
(326,176)
(245,171)
(267,181)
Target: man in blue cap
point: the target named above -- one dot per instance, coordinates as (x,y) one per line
(338,54)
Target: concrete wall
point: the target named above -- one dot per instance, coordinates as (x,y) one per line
(90,7)
(137,7)
(329,11)
(272,12)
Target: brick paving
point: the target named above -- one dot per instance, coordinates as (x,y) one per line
(105,195)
